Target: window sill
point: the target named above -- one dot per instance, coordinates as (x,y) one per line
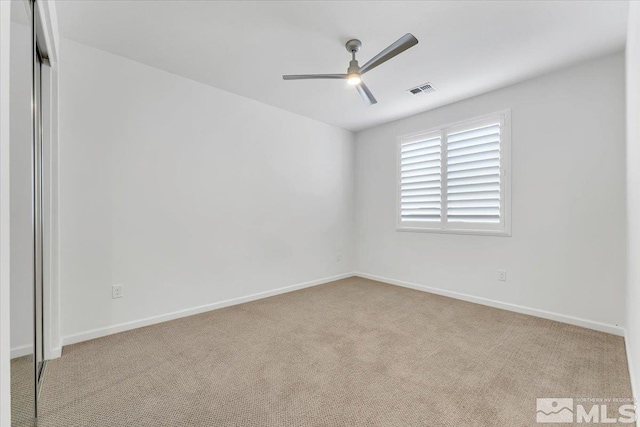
(499,233)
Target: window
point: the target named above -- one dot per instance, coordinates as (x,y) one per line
(456,178)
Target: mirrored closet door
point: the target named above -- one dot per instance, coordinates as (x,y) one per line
(28,64)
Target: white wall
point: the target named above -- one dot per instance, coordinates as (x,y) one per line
(21,235)
(567,251)
(5,204)
(188,195)
(633,193)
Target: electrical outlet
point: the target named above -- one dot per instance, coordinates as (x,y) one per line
(117,291)
(339,257)
(502,275)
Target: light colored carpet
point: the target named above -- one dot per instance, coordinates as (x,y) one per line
(349,353)
(22,391)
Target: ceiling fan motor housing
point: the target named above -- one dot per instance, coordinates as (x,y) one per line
(353,67)
(353,46)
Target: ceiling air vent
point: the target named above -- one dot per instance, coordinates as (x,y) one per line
(425,88)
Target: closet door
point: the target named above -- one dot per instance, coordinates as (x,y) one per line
(37,220)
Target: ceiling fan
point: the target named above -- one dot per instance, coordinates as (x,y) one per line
(355,72)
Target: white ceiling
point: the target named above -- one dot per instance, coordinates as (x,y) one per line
(466,47)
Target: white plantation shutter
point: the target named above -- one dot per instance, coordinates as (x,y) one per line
(473,175)
(421,179)
(454,179)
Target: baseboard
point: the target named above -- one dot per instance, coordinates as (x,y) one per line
(126,326)
(590,324)
(22,350)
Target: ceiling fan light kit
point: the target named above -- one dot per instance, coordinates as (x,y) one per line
(355,72)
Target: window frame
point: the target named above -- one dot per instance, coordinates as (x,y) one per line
(503,228)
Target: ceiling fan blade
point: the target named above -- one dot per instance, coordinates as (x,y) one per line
(314,76)
(366,94)
(399,46)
